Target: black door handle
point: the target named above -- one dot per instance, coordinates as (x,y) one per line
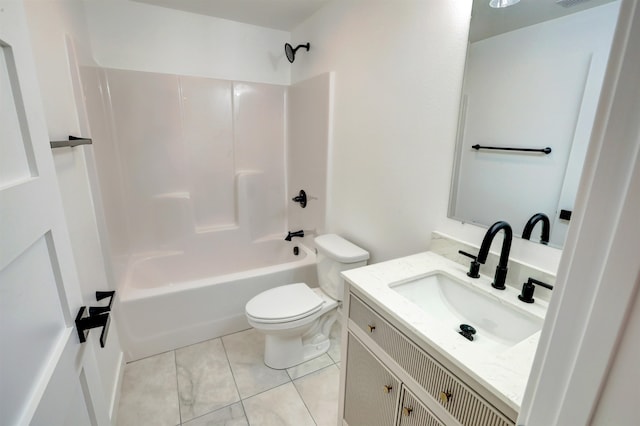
(85,323)
(95,310)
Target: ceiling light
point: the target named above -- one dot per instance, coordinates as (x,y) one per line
(502,3)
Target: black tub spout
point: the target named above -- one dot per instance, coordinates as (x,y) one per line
(290,235)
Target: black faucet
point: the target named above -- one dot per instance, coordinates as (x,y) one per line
(501,270)
(546,227)
(290,235)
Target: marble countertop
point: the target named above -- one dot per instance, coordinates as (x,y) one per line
(504,373)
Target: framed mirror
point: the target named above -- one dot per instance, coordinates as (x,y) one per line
(532,81)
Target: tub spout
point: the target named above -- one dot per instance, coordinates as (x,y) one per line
(290,235)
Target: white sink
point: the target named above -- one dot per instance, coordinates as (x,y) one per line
(451,302)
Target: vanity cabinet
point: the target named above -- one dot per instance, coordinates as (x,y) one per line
(424,389)
(375,397)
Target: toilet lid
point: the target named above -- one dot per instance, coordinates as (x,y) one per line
(287,302)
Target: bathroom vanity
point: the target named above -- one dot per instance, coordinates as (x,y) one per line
(405,362)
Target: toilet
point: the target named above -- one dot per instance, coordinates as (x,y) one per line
(296,319)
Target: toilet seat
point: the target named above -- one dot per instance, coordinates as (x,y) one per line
(282,304)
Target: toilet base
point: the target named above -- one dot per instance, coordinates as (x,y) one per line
(286,349)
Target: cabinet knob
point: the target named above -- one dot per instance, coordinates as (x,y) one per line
(445,397)
(371,328)
(387,388)
(407,411)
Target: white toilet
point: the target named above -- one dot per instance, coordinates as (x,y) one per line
(297,319)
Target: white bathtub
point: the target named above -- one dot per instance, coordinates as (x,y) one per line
(175,299)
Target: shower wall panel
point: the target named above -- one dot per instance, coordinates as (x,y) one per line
(309,104)
(207,123)
(173,153)
(259,116)
(109,167)
(147,129)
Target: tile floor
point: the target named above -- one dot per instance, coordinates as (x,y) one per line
(224,381)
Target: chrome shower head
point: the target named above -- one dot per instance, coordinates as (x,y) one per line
(290,51)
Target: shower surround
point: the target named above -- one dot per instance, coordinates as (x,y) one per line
(193,174)
(180,156)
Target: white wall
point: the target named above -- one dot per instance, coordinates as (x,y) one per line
(51,24)
(398,75)
(141,37)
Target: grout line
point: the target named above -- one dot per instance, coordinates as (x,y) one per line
(224,349)
(302,398)
(276,387)
(244,412)
(233,375)
(305,404)
(175,363)
(218,409)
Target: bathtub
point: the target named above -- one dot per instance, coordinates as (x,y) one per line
(174,299)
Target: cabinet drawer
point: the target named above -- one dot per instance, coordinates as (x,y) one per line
(455,397)
(371,391)
(413,413)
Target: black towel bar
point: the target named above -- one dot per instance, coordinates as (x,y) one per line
(546,150)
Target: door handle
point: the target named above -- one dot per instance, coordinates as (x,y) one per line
(95,310)
(85,323)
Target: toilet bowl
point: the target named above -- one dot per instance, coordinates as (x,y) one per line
(297,319)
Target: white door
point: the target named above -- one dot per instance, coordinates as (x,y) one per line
(47,377)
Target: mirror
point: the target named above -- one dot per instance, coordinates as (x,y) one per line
(533,77)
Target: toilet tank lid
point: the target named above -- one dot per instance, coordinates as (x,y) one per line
(338,248)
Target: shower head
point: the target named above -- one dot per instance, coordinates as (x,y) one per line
(290,51)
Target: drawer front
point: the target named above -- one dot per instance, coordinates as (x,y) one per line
(371,391)
(413,413)
(456,398)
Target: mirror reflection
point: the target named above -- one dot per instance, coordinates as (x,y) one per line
(532,81)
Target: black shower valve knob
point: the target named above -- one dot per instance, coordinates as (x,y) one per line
(301,198)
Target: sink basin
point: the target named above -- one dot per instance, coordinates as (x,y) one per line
(451,302)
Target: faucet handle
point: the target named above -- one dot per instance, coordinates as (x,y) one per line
(474,266)
(528,288)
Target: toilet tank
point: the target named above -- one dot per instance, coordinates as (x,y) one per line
(335,254)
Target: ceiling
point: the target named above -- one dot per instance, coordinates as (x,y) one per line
(487,22)
(285,15)
(277,14)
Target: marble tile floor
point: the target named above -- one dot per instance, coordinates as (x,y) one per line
(224,381)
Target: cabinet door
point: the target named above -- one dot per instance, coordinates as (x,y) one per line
(371,392)
(413,413)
